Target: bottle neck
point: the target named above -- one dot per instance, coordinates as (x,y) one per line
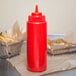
(36,18)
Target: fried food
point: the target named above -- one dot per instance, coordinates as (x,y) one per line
(7,38)
(59,41)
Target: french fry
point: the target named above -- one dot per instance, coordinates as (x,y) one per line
(2,38)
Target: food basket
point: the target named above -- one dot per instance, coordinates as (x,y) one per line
(10,50)
(56,44)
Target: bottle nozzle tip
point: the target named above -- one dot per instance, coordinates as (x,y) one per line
(36,9)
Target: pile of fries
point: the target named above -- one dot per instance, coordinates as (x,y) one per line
(5,37)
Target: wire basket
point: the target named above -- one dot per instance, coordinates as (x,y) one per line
(57,50)
(7,51)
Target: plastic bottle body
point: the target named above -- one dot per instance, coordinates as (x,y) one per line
(36,46)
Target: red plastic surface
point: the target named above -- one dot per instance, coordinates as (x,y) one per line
(36,42)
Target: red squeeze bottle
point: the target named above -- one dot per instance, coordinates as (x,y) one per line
(36,42)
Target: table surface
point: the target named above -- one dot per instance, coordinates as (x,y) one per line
(6,69)
(66,73)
